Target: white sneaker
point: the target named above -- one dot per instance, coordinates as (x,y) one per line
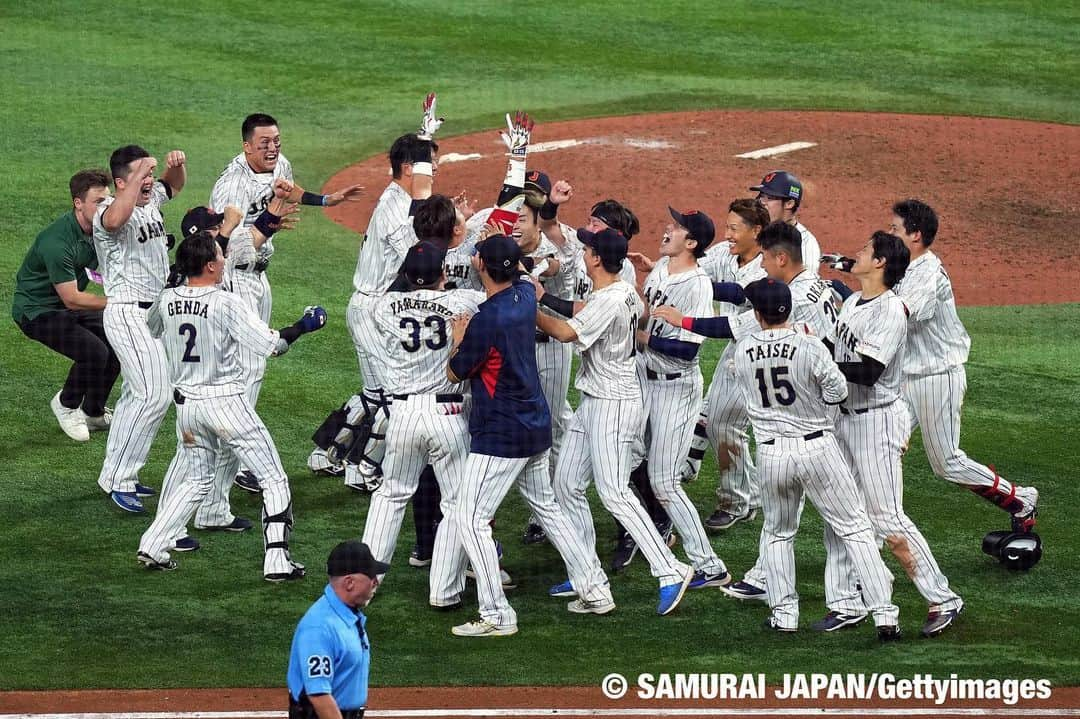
(72,421)
(483,628)
(580,606)
(99,424)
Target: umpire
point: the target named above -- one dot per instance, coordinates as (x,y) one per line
(51,305)
(331,654)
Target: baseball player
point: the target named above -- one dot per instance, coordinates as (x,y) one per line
(934,380)
(871,336)
(202,328)
(789,381)
(671,380)
(781,193)
(133,257)
(248,182)
(605,425)
(428,424)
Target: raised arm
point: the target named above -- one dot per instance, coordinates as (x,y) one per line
(119,212)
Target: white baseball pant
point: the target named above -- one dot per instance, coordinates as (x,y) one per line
(727,426)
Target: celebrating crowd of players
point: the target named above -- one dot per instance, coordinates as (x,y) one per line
(465,324)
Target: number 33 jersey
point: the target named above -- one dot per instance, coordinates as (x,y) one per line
(788,378)
(202,329)
(413,332)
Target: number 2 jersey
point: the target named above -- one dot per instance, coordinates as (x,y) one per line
(202,329)
(412,338)
(788,378)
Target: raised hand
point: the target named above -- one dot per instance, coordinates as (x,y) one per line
(520,129)
(562,191)
(352,193)
(282,188)
(640,261)
(175,158)
(462,205)
(430,124)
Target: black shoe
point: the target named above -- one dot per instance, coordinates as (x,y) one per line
(446,607)
(624,553)
(772,625)
(667,532)
(937,621)
(297,572)
(534,534)
(248,482)
(833,621)
(722,519)
(419,557)
(888,633)
(239,524)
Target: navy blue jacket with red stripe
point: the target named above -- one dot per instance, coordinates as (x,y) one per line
(509,416)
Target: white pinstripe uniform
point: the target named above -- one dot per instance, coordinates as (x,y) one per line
(934,377)
(429,424)
(203,330)
(788,379)
(388,238)
(724,413)
(134,262)
(814,308)
(811,250)
(458,267)
(553,358)
(671,394)
(602,431)
(240,186)
(874,430)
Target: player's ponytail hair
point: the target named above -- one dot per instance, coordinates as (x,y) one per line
(194,253)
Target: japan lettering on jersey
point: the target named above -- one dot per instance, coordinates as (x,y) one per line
(876,328)
(458,267)
(240,186)
(937,340)
(689,292)
(203,329)
(389,236)
(134,260)
(788,379)
(606,329)
(412,338)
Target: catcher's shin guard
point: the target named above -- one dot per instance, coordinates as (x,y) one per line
(277,564)
(1001,493)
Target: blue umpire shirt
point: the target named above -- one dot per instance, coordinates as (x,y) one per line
(509,415)
(328,655)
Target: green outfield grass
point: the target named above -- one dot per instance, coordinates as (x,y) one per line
(343,79)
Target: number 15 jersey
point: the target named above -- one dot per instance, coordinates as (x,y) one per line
(412,338)
(606,328)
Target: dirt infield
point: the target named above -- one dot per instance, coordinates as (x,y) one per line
(1003,188)
(501,701)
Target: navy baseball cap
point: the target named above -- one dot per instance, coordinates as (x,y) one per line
(609,244)
(698,224)
(780,184)
(353,557)
(538,180)
(198,219)
(771,298)
(499,251)
(423,265)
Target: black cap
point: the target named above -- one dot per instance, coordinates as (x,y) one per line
(499,251)
(771,298)
(698,224)
(538,180)
(609,244)
(423,265)
(780,184)
(353,557)
(199,218)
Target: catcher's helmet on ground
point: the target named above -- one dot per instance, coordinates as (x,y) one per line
(1018,551)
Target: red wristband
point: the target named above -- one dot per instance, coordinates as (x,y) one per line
(688,323)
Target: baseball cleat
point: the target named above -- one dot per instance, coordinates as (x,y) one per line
(773,624)
(483,628)
(834,621)
(127,501)
(141,490)
(150,563)
(938,621)
(722,519)
(186,544)
(239,524)
(672,594)
(100,424)
(888,632)
(534,534)
(666,530)
(742,590)
(624,553)
(297,572)
(334,470)
(452,606)
(1024,521)
(702,580)
(563,590)
(418,558)
(72,421)
(580,606)
(248,482)
(320,464)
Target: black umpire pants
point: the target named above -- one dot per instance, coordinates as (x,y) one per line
(79,335)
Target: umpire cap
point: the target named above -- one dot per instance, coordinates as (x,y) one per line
(353,557)
(779,183)
(198,219)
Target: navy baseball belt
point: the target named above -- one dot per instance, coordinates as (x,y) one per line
(845,410)
(177,397)
(652,374)
(145,305)
(542,337)
(812,435)
(444,397)
(258,266)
